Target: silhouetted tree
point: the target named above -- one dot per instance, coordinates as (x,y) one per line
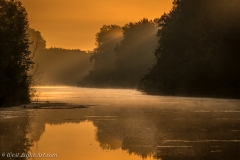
(38,43)
(198,51)
(106,40)
(135,52)
(14,54)
(37,47)
(123,54)
(103,56)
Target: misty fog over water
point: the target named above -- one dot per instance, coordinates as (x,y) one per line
(125,124)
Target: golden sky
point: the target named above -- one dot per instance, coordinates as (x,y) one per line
(73,24)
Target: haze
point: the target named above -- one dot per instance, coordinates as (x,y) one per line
(73,24)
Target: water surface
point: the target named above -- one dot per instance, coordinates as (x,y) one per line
(127,124)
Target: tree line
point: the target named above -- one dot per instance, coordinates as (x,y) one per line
(191,51)
(198,51)
(15,59)
(57,66)
(123,54)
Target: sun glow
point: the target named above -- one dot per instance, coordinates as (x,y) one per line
(73,24)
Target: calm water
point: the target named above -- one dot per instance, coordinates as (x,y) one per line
(122,124)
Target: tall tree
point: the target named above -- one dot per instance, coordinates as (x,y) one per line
(135,52)
(38,43)
(198,50)
(14,54)
(106,40)
(103,56)
(123,54)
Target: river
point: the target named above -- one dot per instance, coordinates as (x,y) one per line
(120,124)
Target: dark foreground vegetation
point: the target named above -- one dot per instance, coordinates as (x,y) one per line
(198,51)
(15,59)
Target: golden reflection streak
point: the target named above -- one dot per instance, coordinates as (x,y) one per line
(76,141)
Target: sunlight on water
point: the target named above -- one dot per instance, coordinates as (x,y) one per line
(88,96)
(120,124)
(76,141)
(128,124)
(124,97)
(53,86)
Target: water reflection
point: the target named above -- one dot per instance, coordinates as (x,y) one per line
(66,131)
(151,132)
(76,141)
(14,124)
(130,125)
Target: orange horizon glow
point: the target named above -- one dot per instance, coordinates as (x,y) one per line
(73,24)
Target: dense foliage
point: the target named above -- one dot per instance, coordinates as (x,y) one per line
(198,50)
(123,54)
(14,54)
(135,52)
(103,56)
